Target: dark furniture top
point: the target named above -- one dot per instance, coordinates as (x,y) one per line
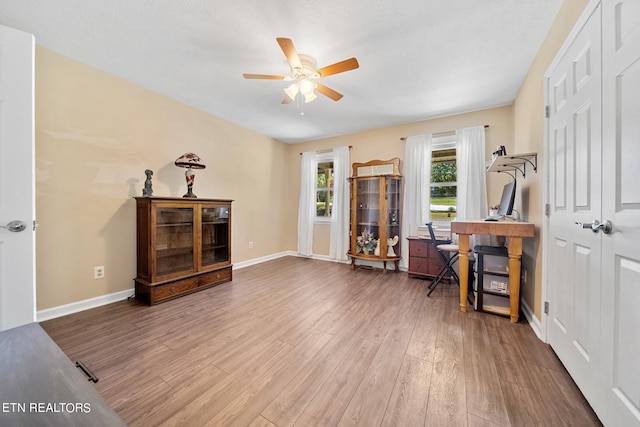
(40,386)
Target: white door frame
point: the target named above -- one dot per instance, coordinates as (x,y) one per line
(17,178)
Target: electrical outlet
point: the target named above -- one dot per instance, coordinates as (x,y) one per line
(524,276)
(98,272)
(250,245)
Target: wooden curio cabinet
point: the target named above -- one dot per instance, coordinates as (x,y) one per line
(183,245)
(376,212)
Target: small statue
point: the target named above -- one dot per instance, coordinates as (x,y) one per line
(391,243)
(147,191)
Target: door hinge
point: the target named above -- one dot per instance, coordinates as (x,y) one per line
(35,225)
(547,209)
(547,111)
(546,307)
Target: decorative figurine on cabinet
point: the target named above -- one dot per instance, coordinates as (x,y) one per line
(391,243)
(147,191)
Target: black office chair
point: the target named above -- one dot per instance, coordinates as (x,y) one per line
(448,253)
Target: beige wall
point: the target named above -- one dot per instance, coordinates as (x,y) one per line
(385,144)
(520,128)
(95,136)
(528,125)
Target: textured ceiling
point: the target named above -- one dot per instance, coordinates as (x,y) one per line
(419,59)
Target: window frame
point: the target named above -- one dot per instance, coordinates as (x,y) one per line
(324,158)
(439,143)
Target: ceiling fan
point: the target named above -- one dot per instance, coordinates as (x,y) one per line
(305,75)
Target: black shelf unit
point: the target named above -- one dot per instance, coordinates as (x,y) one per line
(482,270)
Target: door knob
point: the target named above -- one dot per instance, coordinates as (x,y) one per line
(15,226)
(596,226)
(604,226)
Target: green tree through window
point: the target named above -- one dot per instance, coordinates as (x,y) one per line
(444,187)
(324,189)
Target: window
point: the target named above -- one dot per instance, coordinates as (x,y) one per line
(324,188)
(444,176)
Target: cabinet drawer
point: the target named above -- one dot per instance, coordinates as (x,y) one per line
(171,290)
(425,267)
(153,294)
(494,283)
(418,248)
(419,265)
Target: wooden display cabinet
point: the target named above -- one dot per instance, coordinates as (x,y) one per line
(183,245)
(376,212)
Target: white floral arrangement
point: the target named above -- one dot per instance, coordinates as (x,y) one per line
(366,243)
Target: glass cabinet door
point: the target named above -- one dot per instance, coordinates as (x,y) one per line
(215,235)
(367,215)
(394,206)
(174,240)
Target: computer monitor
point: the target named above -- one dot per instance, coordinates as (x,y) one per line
(508,197)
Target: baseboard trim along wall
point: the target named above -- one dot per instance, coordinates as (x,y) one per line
(533,321)
(75,307)
(254,261)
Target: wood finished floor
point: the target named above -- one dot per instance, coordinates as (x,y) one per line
(301,342)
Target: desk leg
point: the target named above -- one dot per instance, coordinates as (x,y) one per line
(515,255)
(463,264)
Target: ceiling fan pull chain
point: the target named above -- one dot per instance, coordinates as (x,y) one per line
(300,103)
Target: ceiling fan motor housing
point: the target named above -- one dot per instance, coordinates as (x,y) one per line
(307,70)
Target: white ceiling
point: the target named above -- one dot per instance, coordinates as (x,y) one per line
(419,59)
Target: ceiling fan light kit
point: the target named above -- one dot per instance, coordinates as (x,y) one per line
(304,75)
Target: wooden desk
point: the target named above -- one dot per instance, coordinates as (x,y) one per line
(514,232)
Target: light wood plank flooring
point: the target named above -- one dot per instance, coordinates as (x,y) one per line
(301,342)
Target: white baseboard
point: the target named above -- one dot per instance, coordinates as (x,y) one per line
(321,258)
(255,261)
(534,322)
(75,307)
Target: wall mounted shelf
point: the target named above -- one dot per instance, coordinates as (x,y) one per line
(513,163)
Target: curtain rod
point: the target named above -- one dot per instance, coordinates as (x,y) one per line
(327,150)
(449,132)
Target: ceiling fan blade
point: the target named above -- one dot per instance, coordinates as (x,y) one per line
(328,92)
(286,100)
(290,52)
(339,67)
(263,76)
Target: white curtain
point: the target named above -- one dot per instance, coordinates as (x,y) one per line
(306,208)
(472,177)
(339,242)
(417,175)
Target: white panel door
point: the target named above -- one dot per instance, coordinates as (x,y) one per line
(573,254)
(17,195)
(620,305)
(594,174)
